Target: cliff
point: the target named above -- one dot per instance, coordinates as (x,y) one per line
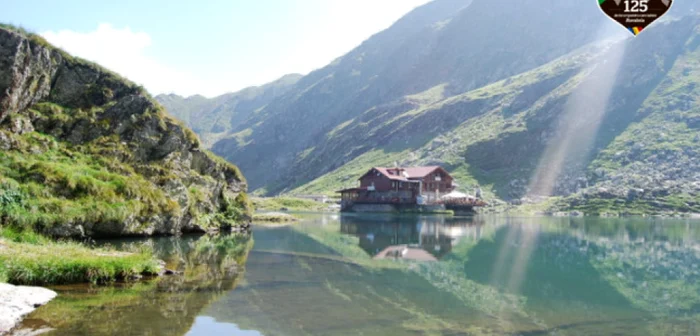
(86,152)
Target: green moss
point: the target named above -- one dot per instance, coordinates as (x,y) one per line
(233,211)
(230,166)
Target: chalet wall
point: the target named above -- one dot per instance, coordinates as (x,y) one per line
(374,208)
(380,182)
(438,180)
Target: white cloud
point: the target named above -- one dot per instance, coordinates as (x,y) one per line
(124,51)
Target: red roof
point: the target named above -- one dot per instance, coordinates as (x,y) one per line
(406,173)
(418,172)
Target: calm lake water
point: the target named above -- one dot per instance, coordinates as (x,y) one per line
(395,275)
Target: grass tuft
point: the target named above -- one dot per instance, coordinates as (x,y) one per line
(27,258)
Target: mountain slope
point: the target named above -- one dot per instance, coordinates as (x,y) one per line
(85,152)
(458,45)
(507,96)
(631,147)
(212,118)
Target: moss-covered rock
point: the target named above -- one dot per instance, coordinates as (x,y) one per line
(86,152)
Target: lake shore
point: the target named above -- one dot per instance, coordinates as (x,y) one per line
(274,217)
(28,258)
(286,203)
(18,301)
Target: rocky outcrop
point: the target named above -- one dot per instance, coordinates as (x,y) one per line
(91,111)
(27,72)
(18,301)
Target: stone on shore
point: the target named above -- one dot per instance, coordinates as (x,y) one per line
(18,301)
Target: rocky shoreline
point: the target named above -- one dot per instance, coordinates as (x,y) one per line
(18,301)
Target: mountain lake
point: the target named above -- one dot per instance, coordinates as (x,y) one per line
(351,274)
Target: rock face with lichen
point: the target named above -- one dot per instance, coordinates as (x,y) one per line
(86,152)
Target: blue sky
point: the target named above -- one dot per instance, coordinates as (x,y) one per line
(206,47)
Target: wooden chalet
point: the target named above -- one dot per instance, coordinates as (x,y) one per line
(409,185)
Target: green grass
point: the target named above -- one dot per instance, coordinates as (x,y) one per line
(28,258)
(661,133)
(673,204)
(289,203)
(273,218)
(450,145)
(77,169)
(347,175)
(46,183)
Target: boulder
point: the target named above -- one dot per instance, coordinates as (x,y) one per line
(18,301)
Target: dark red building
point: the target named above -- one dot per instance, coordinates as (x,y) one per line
(409,185)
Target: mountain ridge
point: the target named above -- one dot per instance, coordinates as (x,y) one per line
(456,79)
(211,118)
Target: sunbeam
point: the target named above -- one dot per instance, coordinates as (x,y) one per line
(578,125)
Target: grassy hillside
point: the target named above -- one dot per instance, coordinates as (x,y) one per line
(86,152)
(437,51)
(640,159)
(551,110)
(214,118)
(449,127)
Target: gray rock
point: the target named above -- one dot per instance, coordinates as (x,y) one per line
(18,301)
(137,131)
(5,141)
(27,72)
(634,193)
(600,173)
(32,331)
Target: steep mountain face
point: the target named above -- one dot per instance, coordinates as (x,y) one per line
(85,152)
(612,130)
(448,46)
(213,118)
(508,96)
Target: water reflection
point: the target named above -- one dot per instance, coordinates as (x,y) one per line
(380,235)
(210,266)
(494,276)
(486,276)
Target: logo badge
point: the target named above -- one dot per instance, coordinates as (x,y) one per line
(635,15)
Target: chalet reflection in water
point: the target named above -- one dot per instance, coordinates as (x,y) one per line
(414,238)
